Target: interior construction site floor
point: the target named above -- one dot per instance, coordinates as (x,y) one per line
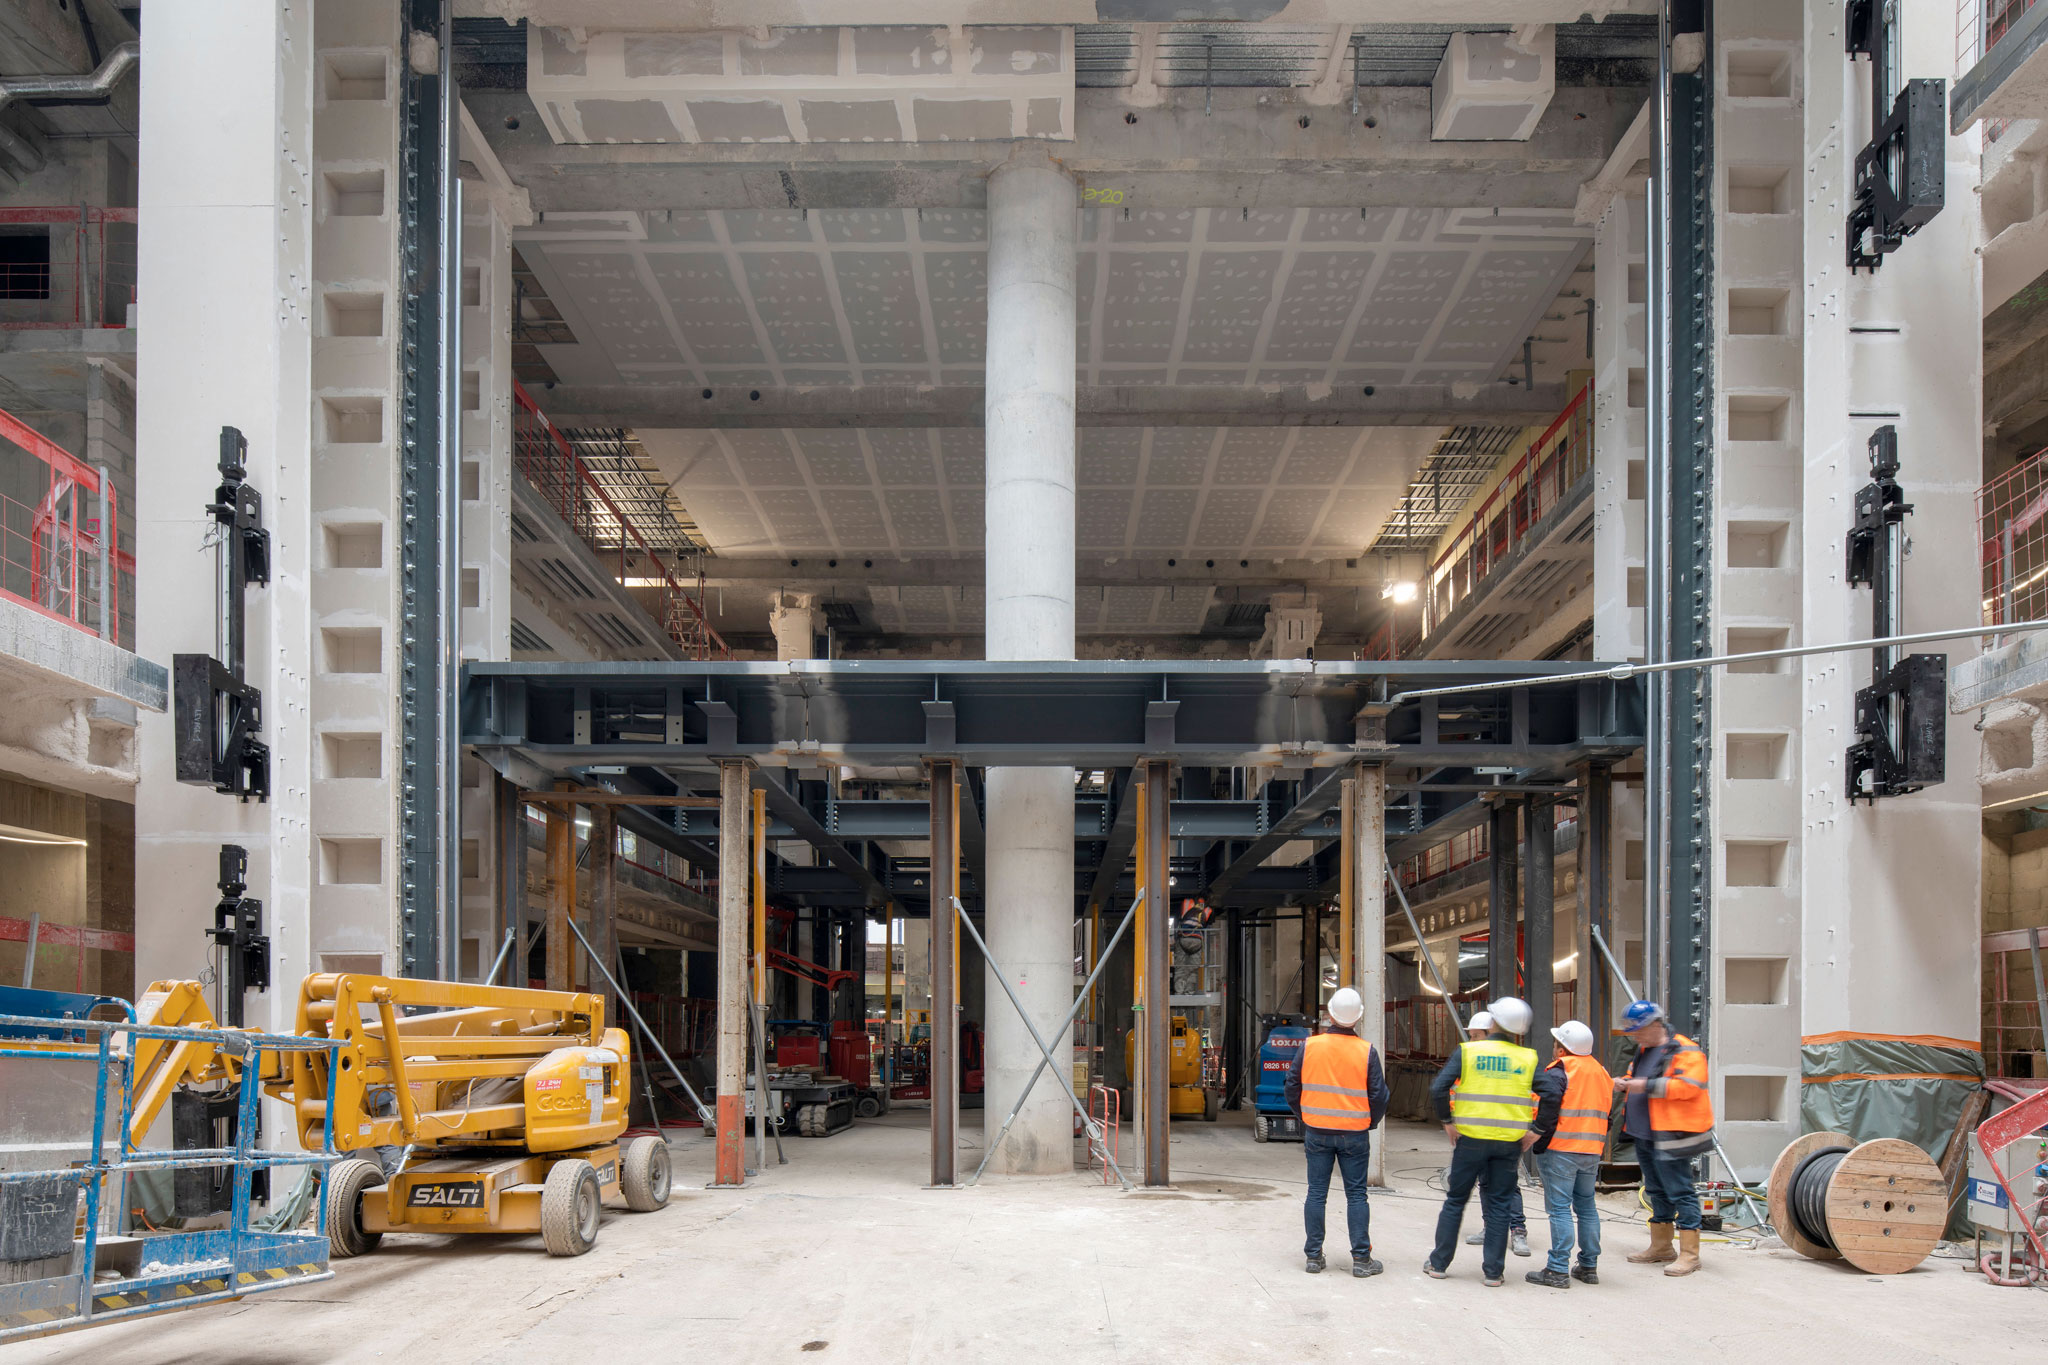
(841,1255)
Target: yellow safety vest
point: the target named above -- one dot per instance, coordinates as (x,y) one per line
(1496,1094)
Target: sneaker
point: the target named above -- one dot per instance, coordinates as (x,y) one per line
(1361,1269)
(1475,1239)
(1493,1284)
(1554,1279)
(1585,1274)
(1518,1242)
(1315,1264)
(1433,1272)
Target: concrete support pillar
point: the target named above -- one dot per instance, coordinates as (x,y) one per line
(224,255)
(797,621)
(1292,623)
(1033,219)
(732,974)
(1503,913)
(1539,899)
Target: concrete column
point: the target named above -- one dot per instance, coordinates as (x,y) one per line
(797,622)
(1292,623)
(1032,219)
(224,256)
(732,974)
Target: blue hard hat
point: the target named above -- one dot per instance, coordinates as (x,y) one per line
(1640,1013)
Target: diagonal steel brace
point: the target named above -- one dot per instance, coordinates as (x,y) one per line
(1094,1129)
(1101,960)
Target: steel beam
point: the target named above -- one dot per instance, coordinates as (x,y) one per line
(1158,1094)
(944,776)
(673,406)
(791,811)
(1123,836)
(1310,806)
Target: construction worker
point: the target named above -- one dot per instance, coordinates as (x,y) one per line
(1336,1088)
(1490,1121)
(1670,1118)
(1572,1123)
(1518,1217)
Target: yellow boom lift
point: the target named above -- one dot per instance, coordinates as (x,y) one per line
(502,1107)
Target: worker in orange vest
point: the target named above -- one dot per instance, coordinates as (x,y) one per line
(1337,1089)
(1574,1137)
(1670,1118)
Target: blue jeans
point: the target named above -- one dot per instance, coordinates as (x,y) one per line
(1567,1190)
(1327,1147)
(1492,1166)
(1668,1182)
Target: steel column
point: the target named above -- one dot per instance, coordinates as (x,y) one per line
(448,521)
(1596,897)
(1365,830)
(1539,937)
(1235,1001)
(1503,911)
(732,977)
(604,892)
(1158,1099)
(944,881)
(511,851)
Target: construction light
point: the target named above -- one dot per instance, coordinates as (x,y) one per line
(1401,593)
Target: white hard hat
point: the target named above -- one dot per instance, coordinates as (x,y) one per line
(1511,1014)
(1345,1006)
(1480,1021)
(1575,1036)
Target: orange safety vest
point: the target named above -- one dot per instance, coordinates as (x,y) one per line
(1588,1095)
(1687,1104)
(1336,1081)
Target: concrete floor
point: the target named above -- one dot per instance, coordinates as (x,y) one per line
(841,1256)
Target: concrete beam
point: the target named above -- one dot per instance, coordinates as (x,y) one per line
(1248,148)
(842,574)
(662,16)
(668,405)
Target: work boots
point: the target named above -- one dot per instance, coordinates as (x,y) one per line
(1661,1249)
(1688,1253)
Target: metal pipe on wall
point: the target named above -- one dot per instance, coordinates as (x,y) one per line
(1657,530)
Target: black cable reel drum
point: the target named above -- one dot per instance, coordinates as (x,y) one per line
(1881,1206)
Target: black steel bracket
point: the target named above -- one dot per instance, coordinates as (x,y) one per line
(238,931)
(1901,718)
(1899,172)
(217,714)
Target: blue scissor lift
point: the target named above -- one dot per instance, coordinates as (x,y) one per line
(72,1270)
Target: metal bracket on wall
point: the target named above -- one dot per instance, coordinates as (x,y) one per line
(216,713)
(238,932)
(1899,171)
(1901,736)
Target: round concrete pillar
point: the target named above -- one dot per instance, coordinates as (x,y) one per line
(1033,216)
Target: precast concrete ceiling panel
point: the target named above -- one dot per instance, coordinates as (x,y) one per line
(841,297)
(1194,492)
(880,83)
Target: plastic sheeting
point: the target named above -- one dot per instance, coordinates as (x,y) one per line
(1886,1088)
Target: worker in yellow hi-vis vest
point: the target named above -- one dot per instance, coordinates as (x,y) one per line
(1491,1122)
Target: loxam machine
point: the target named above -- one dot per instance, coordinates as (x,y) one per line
(496,1110)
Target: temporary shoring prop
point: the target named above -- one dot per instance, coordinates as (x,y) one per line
(1094,1129)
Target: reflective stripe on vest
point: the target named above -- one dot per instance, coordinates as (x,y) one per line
(1496,1095)
(1582,1121)
(1336,1080)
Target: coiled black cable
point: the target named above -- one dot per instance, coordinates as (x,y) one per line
(1808,1195)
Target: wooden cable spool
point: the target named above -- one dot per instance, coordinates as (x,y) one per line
(1882,1206)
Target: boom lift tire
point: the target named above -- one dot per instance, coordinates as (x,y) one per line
(570,1205)
(346,1183)
(644,1174)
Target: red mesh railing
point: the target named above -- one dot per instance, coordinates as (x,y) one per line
(83,277)
(50,511)
(550,463)
(1979,26)
(2012,523)
(1538,482)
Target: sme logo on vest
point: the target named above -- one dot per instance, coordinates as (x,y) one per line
(1494,1063)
